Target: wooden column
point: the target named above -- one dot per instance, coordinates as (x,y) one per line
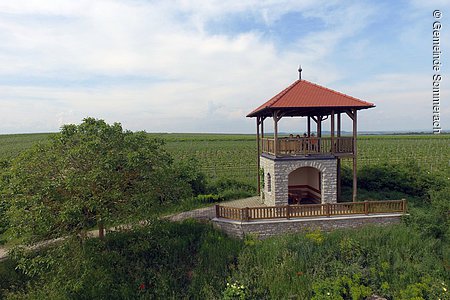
(275,133)
(258,154)
(338,183)
(355,185)
(319,126)
(309,126)
(262,127)
(262,134)
(332,132)
(339,125)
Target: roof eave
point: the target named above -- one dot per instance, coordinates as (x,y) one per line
(266,110)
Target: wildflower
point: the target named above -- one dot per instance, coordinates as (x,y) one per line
(299,273)
(142,286)
(328,294)
(444,289)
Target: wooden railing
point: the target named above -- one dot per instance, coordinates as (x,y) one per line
(310,210)
(304,146)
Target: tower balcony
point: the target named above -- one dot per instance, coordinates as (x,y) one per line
(305,146)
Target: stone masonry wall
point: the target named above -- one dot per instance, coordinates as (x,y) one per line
(268,165)
(268,228)
(279,170)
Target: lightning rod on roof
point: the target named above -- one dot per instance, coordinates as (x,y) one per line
(300,72)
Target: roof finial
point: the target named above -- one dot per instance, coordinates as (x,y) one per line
(300,72)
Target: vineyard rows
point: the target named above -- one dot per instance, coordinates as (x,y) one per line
(234,156)
(237,159)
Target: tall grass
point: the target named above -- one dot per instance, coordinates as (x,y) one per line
(163,260)
(384,261)
(192,260)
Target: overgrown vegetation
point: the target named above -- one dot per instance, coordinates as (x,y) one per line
(92,174)
(161,260)
(345,264)
(192,260)
(390,181)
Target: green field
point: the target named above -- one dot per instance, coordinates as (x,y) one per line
(234,155)
(192,260)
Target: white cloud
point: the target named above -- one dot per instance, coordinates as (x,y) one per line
(190,78)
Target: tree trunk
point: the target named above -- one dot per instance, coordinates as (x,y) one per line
(101,230)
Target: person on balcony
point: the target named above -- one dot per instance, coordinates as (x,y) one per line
(313,143)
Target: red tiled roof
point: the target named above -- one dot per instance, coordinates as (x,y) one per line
(303,94)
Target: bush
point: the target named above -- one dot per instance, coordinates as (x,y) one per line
(342,288)
(234,291)
(223,196)
(210,198)
(225,189)
(223,184)
(159,261)
(432,219)
(405,178)
(392,181)
(189,171)
(10,278)
(346,263)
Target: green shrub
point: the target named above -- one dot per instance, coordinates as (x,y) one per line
(315,236)
(426,289)
(223,184)
(432,218)
(231,194)
(159,261)
(234,291)
(341,288)
(189,170)
(225,189)
(191,260)
(406,178)
(347,263)
(210,198)
(392,182)
(10,277)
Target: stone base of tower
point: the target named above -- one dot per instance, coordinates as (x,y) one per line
(284,177)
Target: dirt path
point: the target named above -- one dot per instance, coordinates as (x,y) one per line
(206,213)
(3,253)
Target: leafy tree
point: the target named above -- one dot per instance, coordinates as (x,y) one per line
(92,174)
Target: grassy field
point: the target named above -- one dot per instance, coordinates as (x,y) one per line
(193,260)
(234,155)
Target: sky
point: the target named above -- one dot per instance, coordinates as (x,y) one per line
(202,66)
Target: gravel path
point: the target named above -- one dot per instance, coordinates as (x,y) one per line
(208,213)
